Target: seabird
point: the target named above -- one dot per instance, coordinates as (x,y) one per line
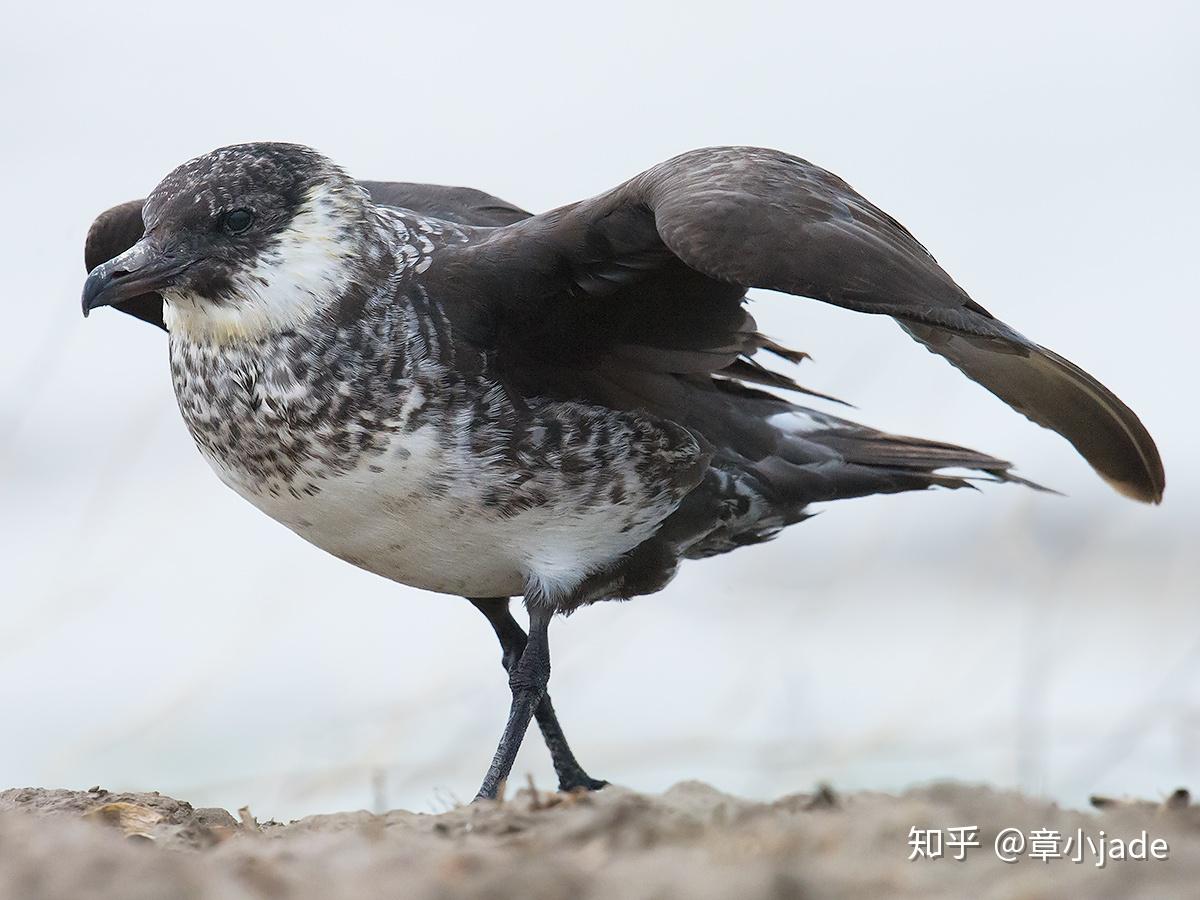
(444,389)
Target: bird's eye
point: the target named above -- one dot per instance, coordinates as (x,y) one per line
(236,221)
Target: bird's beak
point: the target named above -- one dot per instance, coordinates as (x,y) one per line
(142,268)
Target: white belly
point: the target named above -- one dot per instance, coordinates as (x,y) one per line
(382,517)
(404,468)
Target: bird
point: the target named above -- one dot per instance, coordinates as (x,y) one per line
(456,394)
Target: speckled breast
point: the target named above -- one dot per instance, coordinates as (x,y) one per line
(422,475)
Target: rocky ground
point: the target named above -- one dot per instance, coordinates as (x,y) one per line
(692,841)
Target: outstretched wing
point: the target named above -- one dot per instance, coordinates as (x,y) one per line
(656,269)
(119,228)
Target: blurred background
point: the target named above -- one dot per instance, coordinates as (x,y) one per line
(158,633)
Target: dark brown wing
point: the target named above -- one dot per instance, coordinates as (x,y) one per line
(118,229)
(655,270)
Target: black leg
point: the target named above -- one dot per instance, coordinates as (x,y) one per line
(512,643)
(528,680)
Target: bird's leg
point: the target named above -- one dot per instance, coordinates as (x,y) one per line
(512,643)
(527,680)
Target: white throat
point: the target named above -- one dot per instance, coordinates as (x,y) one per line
(306,269)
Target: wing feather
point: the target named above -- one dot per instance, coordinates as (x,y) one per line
(744,217)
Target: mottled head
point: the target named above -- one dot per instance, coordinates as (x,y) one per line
(243,242)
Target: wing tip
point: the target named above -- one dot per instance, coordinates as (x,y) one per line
(1149,491)
(1057,394)
(1136,473)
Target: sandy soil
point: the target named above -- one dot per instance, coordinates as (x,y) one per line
(692,841)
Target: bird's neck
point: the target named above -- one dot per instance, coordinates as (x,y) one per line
(241,320)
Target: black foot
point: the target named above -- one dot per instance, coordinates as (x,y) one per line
(580,781)
(571,776)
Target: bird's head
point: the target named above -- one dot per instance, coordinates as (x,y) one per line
(242,242)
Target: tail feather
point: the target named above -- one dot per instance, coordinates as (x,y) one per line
(818,458)
(898,455)
(842,460)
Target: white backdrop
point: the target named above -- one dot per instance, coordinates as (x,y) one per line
(159,633)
